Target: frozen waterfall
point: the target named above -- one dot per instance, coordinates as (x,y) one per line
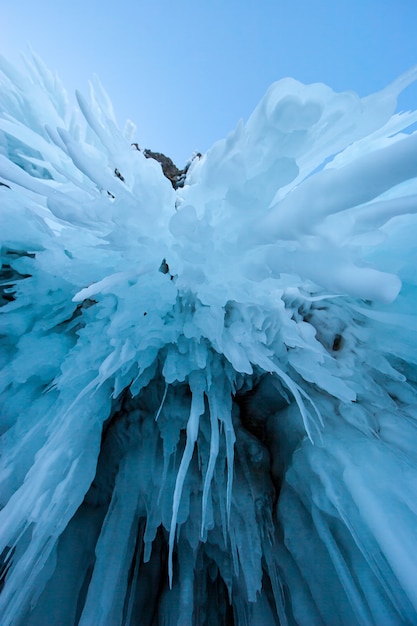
(209,408)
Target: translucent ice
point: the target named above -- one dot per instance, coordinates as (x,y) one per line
(208,394)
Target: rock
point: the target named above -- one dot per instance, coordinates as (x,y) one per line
(170,170)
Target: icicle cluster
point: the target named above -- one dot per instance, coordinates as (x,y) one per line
(209,394)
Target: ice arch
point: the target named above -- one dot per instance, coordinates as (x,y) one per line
(208,394)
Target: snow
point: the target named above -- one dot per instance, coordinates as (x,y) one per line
(208,394)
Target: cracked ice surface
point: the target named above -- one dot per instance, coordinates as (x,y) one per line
(208,395)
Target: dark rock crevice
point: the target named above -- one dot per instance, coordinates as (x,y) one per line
(175,175)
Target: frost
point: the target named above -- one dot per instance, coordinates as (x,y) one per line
(208,394)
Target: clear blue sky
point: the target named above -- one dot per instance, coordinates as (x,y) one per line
(186,71)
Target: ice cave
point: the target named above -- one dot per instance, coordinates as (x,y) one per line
(208,389)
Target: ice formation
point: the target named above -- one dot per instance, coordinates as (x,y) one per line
(209,393)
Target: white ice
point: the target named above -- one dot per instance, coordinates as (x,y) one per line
(208,393)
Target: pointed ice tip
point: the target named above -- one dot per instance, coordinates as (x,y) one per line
(391,92)
(170,566)
(80,98)
(405,80)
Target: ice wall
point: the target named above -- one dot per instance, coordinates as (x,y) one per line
(209,394)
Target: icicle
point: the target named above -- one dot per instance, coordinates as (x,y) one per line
(161,406)
(230,442)
(197,387)
(214,451)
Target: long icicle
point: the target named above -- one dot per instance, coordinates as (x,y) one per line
(197,409)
